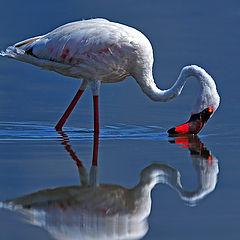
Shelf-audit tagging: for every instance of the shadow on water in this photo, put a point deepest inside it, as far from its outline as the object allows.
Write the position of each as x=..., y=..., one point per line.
x=106, y=211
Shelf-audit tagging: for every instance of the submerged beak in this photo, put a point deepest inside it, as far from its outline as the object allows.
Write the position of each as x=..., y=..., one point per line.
x=194, y=124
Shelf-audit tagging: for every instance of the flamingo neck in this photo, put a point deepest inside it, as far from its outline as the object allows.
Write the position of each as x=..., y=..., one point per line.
x=149, y=87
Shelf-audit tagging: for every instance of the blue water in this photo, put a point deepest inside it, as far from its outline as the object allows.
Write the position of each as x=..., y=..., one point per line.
x=196, y=195
x=20, y=131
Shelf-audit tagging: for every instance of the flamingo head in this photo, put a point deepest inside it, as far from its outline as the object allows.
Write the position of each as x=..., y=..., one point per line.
x=206, y=103
x=194, y=124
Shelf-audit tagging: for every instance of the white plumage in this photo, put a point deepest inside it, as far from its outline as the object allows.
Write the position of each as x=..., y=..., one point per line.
x=99, y=51
x=94, y=49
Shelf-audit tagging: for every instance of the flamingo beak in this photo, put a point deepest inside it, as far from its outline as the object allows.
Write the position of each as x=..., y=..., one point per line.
x=194, y=124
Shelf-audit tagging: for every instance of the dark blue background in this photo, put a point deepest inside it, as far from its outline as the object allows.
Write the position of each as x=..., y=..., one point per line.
x=205, y=33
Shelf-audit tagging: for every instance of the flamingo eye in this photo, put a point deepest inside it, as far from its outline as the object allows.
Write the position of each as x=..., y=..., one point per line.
x=210, y=110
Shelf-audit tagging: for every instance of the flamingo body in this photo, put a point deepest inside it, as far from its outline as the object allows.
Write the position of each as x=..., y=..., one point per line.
x=93, y=49
x=99, y=51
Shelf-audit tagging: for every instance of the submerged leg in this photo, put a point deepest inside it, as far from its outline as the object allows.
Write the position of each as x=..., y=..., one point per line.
x=68, y=111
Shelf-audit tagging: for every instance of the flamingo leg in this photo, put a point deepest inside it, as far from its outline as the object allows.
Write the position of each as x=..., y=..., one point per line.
x=96, y=114
x=93, y=177
x=68, y=111
x=94, y=171
x=95, y=149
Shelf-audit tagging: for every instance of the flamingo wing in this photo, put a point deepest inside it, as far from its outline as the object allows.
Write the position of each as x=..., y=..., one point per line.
x=75, y=42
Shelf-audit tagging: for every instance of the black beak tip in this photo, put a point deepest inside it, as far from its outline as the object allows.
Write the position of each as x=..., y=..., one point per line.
x=172, y=131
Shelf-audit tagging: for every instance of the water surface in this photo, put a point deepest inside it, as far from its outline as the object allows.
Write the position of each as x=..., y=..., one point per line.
x=197, y=180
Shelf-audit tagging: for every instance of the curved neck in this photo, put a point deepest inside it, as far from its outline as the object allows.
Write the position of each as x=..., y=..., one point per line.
x=149, y=87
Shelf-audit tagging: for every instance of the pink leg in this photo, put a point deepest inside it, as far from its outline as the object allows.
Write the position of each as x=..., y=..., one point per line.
x=95, y=149
x=96, y=131
x=65, y=116
x=96, y=114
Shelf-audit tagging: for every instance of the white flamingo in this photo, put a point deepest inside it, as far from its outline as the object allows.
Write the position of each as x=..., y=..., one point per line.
x=99, y=51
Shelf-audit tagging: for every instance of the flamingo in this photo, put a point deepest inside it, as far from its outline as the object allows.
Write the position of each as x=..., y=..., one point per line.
x=99, y=51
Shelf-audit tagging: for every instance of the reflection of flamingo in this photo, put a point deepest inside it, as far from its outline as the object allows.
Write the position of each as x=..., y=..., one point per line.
x=79, y=164
x=206, y=166
x=99, y=51
x=105, y=211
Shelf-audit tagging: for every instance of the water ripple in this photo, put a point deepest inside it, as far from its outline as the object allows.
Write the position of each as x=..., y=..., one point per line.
x=27, y=131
